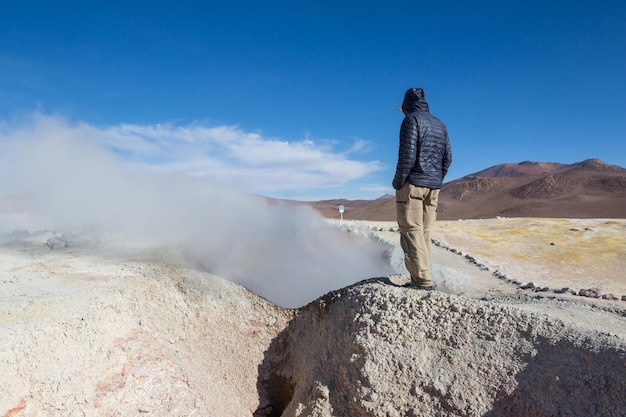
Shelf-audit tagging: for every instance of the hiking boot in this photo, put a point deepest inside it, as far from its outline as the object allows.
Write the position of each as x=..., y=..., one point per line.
x=419, y=286
x=423, y=287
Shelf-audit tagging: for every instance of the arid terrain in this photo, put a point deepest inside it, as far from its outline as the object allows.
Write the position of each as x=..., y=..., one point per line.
x=587, y=189
x=90, y=329
x=303, y=315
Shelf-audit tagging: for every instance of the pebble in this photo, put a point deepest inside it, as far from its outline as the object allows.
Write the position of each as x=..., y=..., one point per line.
x=471, y=259
x=590, y=292
x=596, y=293
x=609, y=297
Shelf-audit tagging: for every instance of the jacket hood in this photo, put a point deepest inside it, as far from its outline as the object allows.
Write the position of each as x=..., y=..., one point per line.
x=414, y=100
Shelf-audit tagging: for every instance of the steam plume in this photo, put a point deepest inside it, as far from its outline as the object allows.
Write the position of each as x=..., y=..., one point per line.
x=284, y=252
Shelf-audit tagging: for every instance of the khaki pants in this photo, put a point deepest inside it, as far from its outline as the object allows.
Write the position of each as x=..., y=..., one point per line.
x=417, y=211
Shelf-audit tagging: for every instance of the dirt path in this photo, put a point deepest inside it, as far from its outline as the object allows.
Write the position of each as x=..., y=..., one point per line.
x=575, y=253
x=454, y=273
x=554, y=253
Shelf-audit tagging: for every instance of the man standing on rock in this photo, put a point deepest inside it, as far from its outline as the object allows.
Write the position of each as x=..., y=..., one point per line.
x=424, y=157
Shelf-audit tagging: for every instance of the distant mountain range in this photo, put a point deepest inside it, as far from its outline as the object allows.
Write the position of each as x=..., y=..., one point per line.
x=587, y=189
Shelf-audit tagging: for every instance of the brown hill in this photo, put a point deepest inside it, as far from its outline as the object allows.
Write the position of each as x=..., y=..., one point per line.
x=523, y=168
x=379, y=209
x=587, y=189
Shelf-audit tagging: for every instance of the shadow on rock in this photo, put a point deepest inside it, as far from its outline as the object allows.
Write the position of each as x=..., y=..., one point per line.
x=299, y=357
x=567, y=378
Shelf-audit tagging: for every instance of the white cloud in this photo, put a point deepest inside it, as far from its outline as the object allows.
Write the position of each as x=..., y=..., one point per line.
x=227, y=153
x=359, y=145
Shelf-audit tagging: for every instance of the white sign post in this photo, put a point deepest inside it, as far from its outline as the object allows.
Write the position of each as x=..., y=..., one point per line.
x=341, y=210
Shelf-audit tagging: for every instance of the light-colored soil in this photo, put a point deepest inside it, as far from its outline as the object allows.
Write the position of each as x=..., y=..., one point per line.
x=112, y=329
x=575, y=253
x=107, y=332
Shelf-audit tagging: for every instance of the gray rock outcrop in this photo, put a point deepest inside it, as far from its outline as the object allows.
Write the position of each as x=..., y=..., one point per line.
x=376, y=349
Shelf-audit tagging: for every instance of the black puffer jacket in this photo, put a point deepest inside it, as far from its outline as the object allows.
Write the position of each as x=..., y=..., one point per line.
x=424, y=155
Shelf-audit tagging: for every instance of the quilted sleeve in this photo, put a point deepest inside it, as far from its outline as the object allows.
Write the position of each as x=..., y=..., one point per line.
x=407, y=152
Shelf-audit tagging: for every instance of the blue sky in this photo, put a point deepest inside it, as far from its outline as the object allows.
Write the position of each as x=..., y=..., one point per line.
x=296, y=99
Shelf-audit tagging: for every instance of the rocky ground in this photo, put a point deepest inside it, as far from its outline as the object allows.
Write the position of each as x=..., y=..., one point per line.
x=91, y=330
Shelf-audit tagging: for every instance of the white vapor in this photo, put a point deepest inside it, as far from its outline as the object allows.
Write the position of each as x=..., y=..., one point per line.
x=174, y=185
